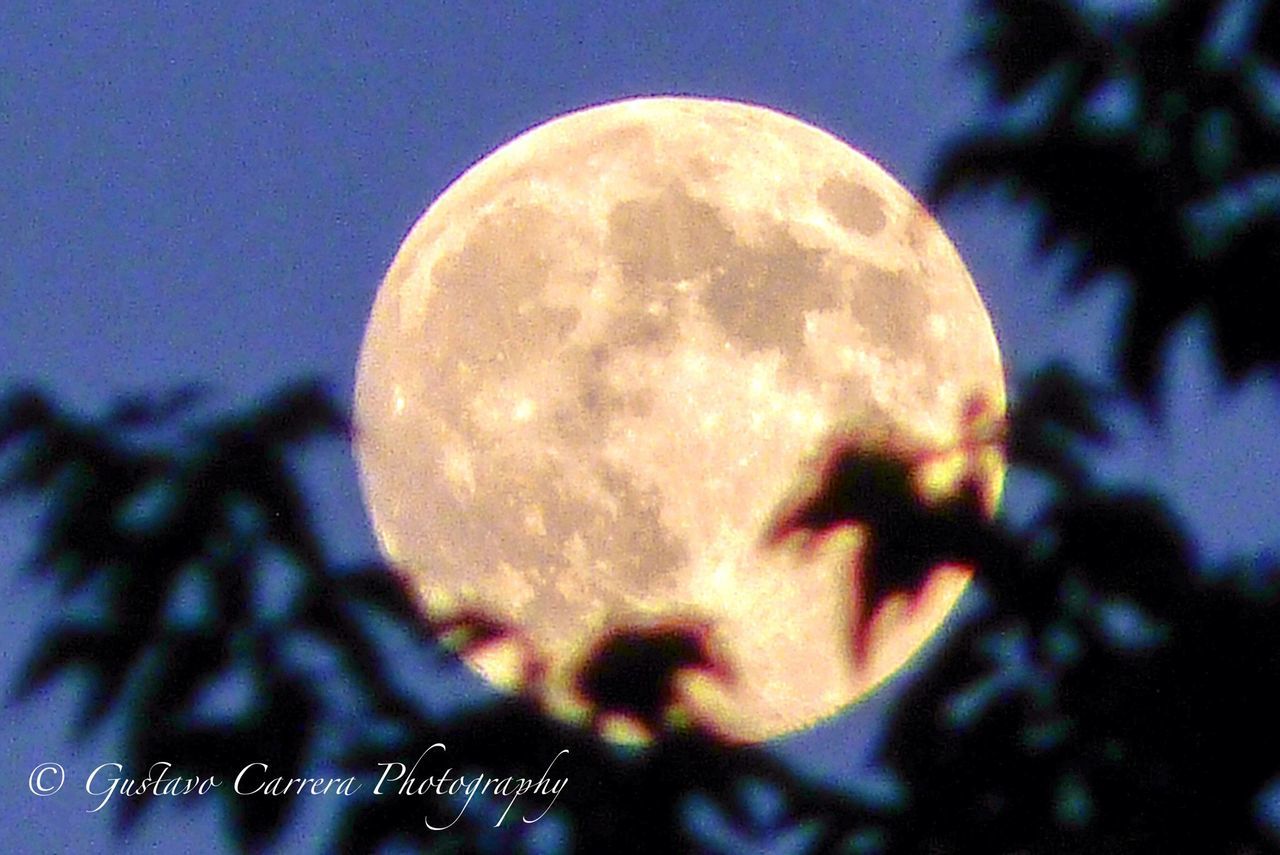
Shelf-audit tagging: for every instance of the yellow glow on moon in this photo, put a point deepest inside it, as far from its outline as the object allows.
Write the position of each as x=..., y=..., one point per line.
x=610, y=354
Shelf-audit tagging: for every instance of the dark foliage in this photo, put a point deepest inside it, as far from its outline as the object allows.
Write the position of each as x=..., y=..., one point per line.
x=1148, y=144
x=1112, y=694
x=171, y=544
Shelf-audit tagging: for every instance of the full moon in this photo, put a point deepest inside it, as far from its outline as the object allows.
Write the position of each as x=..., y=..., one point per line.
x=616, y=350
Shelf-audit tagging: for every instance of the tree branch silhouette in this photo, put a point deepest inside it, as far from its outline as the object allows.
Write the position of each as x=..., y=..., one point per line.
x=1150, y=153
x=174, y=543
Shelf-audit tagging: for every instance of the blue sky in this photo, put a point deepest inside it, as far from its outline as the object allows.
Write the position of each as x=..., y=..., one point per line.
x=212, y=192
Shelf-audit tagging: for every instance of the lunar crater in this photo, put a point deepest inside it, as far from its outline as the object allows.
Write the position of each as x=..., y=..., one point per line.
x=761, y=292
x=892, y=309
x=665, y=239
x=854, y=205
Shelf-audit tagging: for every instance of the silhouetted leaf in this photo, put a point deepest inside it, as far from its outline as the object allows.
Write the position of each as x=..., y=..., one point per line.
x=68, y=645
x=1125, y=544
x=142, y=411
x=906, y=537
x=24, y=411
x=632, y=671
x=376, y=586
x=1051, y=421
x=1022, y=41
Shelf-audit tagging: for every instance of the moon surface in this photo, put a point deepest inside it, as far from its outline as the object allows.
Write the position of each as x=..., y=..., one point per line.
x=615, y=350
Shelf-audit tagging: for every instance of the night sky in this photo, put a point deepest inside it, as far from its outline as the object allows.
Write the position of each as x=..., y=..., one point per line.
x=212, y=192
